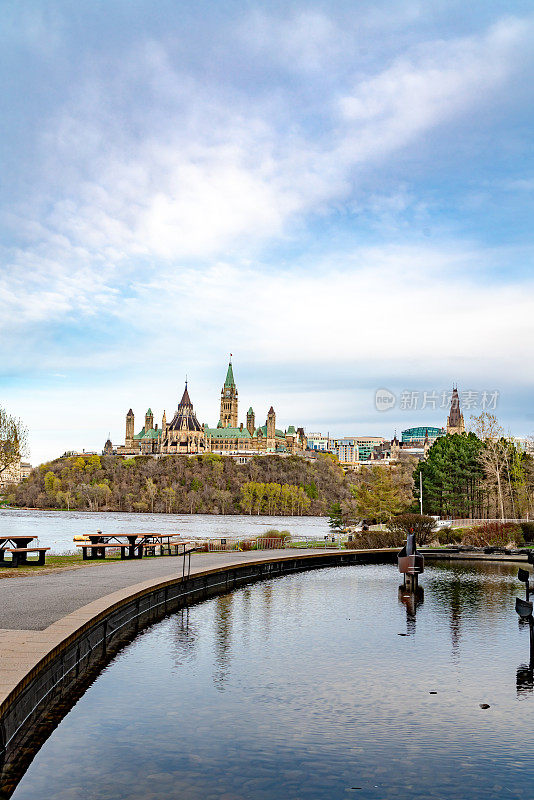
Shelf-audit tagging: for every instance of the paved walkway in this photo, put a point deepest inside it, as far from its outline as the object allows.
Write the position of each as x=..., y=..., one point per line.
x=34, y=602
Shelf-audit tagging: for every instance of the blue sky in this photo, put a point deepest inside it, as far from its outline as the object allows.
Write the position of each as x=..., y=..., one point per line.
x=340, y=194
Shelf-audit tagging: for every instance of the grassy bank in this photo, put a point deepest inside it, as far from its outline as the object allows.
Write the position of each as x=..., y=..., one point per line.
x=54, y=563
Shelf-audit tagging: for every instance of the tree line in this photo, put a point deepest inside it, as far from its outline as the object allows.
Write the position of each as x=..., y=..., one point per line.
x=483, y=474
x=478, y=475
x=209, y=484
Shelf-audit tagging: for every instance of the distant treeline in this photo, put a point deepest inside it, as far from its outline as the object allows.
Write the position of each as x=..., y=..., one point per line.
x=206, y=484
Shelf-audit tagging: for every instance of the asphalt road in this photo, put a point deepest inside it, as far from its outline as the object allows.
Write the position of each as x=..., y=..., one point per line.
x=34, y=602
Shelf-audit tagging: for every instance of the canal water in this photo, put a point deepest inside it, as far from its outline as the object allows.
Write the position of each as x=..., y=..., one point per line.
x=56, y=529
x=315, y=686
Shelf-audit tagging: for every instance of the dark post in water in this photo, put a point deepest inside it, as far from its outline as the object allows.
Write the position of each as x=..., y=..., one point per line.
x=411, y=564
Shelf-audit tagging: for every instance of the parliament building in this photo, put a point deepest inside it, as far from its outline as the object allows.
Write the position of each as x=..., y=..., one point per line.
x=184, y=435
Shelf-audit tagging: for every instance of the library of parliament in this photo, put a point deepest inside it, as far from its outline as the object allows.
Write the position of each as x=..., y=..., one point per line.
x=185, y=435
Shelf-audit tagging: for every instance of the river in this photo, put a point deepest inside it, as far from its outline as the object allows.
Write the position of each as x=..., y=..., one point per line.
x=56, y=529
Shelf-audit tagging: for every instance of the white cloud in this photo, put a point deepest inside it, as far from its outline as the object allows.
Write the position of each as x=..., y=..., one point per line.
x=303, y=40
x=429, y=86
x=365, y=307
x=207, y=173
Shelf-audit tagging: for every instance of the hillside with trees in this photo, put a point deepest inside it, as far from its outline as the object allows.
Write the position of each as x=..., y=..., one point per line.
x=478, y=475
x=206, y=484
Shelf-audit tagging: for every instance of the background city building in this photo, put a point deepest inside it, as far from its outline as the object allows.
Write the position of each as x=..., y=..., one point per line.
x=14, y=474
x=317, y=441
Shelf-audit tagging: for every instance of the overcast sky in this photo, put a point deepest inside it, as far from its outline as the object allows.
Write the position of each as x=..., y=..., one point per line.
x=338, y=193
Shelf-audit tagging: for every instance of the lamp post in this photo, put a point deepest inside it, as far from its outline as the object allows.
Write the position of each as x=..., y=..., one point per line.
x=421, y=490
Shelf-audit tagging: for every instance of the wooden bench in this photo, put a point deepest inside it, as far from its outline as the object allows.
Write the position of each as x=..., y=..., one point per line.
x=19, y=556
x=166, y=548
x=100, y=549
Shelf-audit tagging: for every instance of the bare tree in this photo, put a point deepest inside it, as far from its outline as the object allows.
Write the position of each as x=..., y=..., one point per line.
x=494, y=455
x=13, y=441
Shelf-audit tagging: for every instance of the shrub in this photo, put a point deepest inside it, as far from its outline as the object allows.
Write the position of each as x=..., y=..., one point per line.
x=369, y=540
x=494, y=534
x=527, y=529
x=450, y=536
x=247, y=544
x=274, y=534
x=422, y=525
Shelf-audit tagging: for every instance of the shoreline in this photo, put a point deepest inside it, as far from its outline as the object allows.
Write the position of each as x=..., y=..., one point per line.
x=163, y=513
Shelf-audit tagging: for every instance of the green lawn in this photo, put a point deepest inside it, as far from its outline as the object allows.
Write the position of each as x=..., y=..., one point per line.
x=53, y=562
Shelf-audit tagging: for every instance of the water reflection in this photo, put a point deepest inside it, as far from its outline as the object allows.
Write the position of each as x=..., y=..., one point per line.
x=524, y=679
x=223, y=639
x=525, y=672
x=301, y=689
x=185, y=638
x=461, y=590
x=411, y=601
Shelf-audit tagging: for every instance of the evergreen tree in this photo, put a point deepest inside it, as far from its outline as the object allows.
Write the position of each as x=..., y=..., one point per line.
x=335, y=517
x=452, y=477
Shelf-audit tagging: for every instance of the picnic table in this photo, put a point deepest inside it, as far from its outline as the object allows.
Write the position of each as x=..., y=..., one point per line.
x=19, y=548
x=131, y=545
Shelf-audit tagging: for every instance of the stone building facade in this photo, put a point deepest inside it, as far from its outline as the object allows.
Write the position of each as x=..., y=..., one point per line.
x=185, y=435
x=16, y=473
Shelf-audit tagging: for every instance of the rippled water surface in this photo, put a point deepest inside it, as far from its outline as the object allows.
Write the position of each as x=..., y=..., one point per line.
x=55, y=529
x=302, y=687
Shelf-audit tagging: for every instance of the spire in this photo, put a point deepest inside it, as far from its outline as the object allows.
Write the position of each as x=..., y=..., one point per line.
x=185, y=402
x=229, y=382
x=455, y=420
x=454, y=417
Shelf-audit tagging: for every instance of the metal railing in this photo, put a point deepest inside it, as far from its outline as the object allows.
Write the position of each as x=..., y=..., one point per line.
x=468, y=523
x=228, y=544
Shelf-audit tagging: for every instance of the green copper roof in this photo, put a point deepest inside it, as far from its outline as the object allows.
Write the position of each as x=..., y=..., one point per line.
x=227, y=433
x=291, y=430
x=229, y=382
x=250, y=411
x=151, y=434
x=149, y=413
x=277, y=432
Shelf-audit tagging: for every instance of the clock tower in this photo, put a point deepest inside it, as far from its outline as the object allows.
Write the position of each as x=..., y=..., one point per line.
x=228, y=417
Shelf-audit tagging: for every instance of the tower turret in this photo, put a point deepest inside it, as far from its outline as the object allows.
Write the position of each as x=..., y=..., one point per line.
x=149, y=420
x=455, y=420
x=271, y=427
x=128, y=441
x=251, y=421
x=229, y=410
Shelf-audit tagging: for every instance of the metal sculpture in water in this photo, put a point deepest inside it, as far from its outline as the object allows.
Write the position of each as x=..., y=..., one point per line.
x=524, y=608
x=411, y=564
